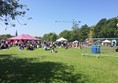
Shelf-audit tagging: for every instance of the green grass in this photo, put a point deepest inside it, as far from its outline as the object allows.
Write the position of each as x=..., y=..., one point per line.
x=66, y=66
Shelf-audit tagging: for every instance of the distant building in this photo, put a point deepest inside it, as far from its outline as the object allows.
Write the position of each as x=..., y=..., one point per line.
x=16, y=34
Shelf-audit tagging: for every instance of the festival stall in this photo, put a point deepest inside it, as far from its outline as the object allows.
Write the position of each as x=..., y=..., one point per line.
x=61, y=39
x=22, y=38
x=106, y=42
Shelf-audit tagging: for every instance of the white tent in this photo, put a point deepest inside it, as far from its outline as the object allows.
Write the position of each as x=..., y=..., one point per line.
x=61, y=39
x=75, y=41
x=106, y=41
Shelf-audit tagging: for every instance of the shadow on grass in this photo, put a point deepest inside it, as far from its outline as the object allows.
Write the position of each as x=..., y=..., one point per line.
x=15, y=70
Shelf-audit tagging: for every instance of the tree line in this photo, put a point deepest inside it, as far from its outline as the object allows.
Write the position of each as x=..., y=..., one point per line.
x=5, y=36
x=105, y=28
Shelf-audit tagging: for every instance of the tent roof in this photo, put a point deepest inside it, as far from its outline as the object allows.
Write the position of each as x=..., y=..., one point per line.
x=106, y=41
x=75, y=41
x=61, y=39
x=23, y=37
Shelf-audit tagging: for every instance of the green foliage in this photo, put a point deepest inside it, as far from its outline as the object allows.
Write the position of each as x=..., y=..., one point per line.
x=91, y=33
x=5, y=36
x=66, y=34
x=103, y=29
x=84, y=31
x=74, y=35
x=50, y=37
x=98, y=27
x=106, y=28
x=10, y=9
x=45, y=37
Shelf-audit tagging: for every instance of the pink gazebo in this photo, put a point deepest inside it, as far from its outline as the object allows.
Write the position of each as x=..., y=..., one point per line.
x=23, y=37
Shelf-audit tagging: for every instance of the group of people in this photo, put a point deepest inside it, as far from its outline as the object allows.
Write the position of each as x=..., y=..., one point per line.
x=4, y=44
x=32, y=45
x=52, y=46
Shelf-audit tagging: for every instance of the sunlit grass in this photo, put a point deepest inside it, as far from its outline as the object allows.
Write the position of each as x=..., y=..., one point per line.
x=65, y=66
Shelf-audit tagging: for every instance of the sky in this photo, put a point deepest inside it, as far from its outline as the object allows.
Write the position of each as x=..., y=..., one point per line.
x=44, y=13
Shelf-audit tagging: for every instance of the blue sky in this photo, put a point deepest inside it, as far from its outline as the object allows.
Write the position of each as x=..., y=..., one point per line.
x=46, y=12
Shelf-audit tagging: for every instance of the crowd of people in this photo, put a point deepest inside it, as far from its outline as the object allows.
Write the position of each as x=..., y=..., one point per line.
x=32, y=45
x=4, y=44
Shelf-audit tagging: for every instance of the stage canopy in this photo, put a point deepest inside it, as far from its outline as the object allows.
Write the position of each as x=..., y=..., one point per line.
x=23, y=37
x=61, y=39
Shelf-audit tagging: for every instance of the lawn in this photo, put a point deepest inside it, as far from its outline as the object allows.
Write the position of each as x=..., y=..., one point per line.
x=66, y=66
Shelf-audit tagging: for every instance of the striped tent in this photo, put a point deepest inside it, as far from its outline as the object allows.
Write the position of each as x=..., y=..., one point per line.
x=23, y=37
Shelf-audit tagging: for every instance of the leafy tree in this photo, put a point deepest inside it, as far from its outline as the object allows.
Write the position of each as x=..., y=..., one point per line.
x=91, y=34
x=50, y=37
x=109, y=29
x=10, y=10
x=98, y=27
x=66, y=34
x=5, y=36
x=40, y=37
x=84, y=31
x=46, y=37
x=74, y=35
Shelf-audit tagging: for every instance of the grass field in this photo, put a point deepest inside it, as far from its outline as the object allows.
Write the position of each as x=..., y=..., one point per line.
x=66, y=66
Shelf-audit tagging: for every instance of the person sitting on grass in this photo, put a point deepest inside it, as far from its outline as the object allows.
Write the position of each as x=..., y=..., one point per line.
x=52, y=46
x=21, y=47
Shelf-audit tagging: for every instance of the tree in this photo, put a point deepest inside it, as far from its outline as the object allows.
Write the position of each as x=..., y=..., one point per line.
x=5, y=36
x=109, y=29
x=91, y=34
x=50, y=37
x=84, y=31
x=98, y=27
x=66, y=34
x=45, y=37
x=10, y=10
x=74, y=35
